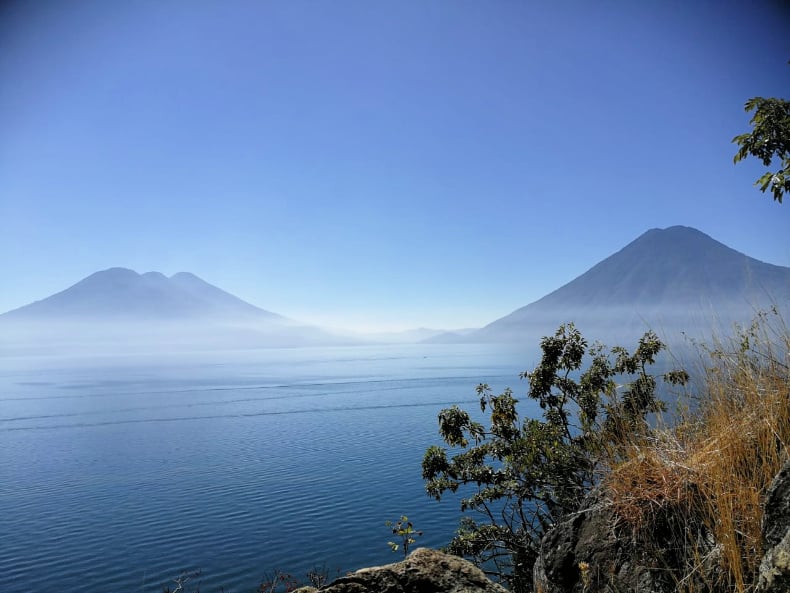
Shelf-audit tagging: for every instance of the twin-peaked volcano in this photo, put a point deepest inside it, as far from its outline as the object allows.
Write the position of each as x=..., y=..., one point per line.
x=124, y=295
x=119, y=310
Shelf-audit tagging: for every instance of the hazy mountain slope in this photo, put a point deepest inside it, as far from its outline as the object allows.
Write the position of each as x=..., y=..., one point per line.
x=674, y=265
x=119, y=293
x=675, y=279
x=121, y=310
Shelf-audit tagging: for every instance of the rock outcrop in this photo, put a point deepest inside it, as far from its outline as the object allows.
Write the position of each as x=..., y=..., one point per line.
x=423, y=571
x=774, y=576
x=588, y=553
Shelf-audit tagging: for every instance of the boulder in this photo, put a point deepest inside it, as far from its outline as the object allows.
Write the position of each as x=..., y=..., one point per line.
x=423, y=571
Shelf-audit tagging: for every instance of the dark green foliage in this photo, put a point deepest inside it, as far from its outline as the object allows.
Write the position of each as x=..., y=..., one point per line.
x=769, y=138
x=527, y=474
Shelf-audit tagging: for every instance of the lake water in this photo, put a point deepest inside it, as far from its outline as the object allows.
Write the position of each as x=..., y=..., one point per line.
x=117, y=474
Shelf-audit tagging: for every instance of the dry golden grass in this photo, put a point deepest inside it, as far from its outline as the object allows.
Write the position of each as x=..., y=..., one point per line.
x=703, y=479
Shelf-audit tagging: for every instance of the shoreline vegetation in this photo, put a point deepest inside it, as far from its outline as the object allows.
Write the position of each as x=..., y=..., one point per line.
x=679, y=499
x=674, y=504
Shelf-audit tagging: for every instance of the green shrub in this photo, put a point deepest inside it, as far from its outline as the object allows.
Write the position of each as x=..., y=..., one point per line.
x=526, y=475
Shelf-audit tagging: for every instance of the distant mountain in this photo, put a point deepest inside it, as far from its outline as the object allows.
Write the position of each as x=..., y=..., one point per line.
x=450, y=337
x=672, y=280
x=124, y=295
x=423, y=335
x=119, y=309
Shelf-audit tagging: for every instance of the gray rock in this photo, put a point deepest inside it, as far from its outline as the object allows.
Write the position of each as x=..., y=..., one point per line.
x=424, y=571
x=774, y=575
x=776, y=513
x=592, y=551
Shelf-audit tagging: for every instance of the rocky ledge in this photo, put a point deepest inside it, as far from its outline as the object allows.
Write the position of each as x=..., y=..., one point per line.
x=424, y=571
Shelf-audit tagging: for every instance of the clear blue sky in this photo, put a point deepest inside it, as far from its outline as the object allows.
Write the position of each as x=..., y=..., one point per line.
x=376, y=164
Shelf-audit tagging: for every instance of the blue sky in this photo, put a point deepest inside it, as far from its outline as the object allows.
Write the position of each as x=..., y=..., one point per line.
x=376, y=164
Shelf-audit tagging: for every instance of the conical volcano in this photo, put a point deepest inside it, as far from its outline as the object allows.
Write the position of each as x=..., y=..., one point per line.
x=672, y=280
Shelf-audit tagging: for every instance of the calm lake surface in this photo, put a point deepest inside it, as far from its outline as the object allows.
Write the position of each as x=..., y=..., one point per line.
x=118, y=473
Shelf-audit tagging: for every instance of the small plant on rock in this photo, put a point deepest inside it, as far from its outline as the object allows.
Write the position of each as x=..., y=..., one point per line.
x=405, y=531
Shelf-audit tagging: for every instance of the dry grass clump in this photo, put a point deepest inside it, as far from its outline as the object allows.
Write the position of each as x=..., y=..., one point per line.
x=700, y=483
x=654, y=479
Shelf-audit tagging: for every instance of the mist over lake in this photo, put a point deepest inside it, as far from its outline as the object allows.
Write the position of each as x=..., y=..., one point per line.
x=116, y=473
